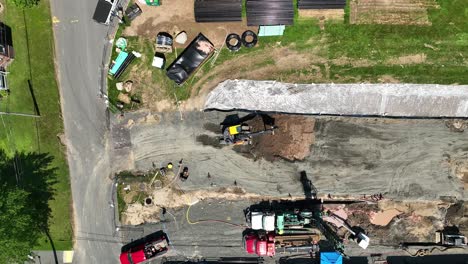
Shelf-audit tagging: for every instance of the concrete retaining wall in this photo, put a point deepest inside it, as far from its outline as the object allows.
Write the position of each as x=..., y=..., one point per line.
x=396, y=100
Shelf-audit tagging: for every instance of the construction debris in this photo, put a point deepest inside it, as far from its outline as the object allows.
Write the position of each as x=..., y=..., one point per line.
x=181, y=38
x=124, y=98
x=119, y=86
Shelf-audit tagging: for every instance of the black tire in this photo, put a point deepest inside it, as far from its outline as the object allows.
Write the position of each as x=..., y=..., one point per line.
x=252, y=43
x=236, y=46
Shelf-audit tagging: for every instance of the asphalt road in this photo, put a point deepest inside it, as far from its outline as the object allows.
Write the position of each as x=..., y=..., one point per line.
x=79, y=43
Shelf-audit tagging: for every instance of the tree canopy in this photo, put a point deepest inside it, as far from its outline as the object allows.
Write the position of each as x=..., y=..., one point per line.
x=26, y=182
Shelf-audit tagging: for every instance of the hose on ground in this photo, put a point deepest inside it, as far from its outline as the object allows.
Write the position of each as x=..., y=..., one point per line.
x=425, y=251
x=209, y=220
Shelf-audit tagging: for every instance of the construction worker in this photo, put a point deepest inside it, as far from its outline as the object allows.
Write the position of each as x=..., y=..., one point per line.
x=169, y=165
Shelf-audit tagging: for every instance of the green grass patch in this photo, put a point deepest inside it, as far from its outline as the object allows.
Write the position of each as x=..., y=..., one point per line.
x=381, y=42
x=407, y=74
x=26, y=134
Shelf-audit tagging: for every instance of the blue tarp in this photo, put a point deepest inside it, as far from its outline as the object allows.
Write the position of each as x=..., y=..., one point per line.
x=118, y=62
x=330, y=258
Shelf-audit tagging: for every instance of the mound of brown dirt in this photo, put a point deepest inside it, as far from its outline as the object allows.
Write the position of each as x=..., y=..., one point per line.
x=291, y=141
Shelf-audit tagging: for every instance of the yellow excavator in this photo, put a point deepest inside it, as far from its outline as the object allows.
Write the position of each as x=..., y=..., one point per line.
x=242, y=134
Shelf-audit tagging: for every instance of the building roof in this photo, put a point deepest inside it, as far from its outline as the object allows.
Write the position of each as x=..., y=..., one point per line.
x=6, y=41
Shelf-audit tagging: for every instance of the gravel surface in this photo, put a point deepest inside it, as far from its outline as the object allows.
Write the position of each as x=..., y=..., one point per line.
x=402, y=159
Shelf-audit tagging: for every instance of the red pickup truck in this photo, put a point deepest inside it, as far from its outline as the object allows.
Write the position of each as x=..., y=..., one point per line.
x=143, y=249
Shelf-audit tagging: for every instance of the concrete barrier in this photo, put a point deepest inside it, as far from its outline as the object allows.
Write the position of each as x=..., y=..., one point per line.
x=392, y=100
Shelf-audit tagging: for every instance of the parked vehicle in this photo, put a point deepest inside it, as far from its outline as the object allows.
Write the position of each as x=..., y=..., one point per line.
x=260, y=243
x=262, y=221
x=267, y=243
x=146, y=248
x=104, y=11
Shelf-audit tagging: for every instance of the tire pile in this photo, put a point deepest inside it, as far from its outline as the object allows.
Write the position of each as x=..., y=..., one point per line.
x=239, y=41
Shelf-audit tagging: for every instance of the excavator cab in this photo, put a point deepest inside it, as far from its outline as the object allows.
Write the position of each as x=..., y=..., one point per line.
x=236, y=135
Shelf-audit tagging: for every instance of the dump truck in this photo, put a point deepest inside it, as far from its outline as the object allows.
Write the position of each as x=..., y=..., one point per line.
x=264, y=243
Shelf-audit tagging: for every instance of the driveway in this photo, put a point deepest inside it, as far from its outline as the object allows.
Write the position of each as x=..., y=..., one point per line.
x=79, y=45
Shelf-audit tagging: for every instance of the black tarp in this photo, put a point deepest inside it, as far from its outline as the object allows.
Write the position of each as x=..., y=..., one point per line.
x=102, y=11
x=218, y=10
x=190, y=59
x=321, y=4
x=269, y=12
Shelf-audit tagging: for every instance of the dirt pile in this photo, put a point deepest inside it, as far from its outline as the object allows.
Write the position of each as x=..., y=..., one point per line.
x=291, y=140
x=393, y=222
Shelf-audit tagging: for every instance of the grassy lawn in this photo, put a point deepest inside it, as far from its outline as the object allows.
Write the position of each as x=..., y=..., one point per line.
x=25, y=134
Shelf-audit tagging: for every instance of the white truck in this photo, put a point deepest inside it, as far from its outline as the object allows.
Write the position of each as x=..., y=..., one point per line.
x=262, y=221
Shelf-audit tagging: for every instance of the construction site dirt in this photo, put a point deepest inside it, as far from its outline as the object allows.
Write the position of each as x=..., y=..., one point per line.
x=408, y=175
x=402, y=159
